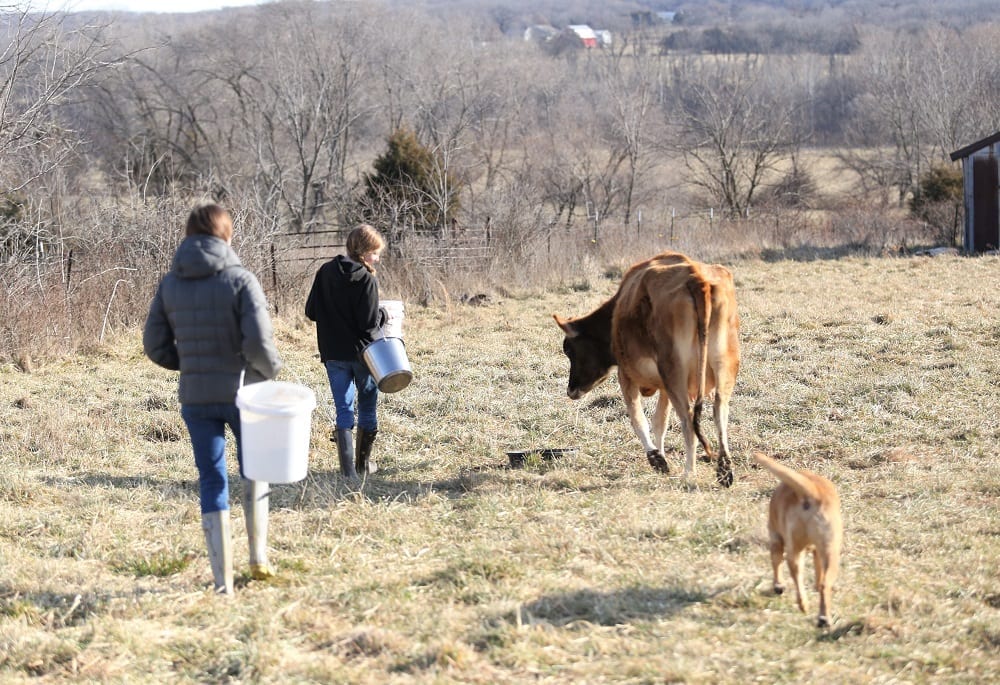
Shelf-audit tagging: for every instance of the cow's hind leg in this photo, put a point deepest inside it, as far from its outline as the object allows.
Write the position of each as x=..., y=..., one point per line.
x=724, y=464
x=701, y=437
x=661, y=418
x=676, y=390
x=640, y=425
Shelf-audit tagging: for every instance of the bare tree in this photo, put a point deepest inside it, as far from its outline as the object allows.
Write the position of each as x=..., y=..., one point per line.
x=732, y=128
x=158, y=113
x=570, y=163
x=925, y=94
x=297, y=93
x=630, y=77
x=42, y=62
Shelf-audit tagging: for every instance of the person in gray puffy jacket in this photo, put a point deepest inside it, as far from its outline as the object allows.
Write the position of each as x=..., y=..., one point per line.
x=209, y=320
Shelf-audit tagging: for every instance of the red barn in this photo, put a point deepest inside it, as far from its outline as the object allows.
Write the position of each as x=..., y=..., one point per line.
x=585, y=34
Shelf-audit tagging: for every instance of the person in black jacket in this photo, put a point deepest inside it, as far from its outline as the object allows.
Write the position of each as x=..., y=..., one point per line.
x=344, y=303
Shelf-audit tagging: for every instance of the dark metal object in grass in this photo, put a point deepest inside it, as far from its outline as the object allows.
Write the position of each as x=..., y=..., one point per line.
x=521, y=458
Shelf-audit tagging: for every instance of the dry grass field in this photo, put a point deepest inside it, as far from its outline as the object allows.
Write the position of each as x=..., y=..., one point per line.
x=448, y=567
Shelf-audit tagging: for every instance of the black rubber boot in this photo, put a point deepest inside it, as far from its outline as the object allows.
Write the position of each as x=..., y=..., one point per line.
x=365, y=464
x=345, y=449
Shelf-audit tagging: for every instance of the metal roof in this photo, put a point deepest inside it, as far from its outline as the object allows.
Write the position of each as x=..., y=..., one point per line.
x=974, y=147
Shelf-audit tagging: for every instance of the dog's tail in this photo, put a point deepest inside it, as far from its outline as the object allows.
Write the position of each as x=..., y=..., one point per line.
x=790, y=477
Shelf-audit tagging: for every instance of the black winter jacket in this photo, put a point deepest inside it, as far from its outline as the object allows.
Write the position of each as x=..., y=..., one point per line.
x=209, y=320
x=343, y=302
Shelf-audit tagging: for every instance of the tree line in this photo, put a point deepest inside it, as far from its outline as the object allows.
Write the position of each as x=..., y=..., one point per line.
x=304, y=116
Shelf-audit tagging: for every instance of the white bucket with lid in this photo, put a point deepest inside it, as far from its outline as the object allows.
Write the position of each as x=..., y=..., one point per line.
x=394, y=310
x=275, y=424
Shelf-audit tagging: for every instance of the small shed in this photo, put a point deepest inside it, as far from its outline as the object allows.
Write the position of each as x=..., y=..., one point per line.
x=981, y=190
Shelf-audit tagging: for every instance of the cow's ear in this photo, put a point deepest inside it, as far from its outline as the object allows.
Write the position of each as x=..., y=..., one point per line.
x=568, y=328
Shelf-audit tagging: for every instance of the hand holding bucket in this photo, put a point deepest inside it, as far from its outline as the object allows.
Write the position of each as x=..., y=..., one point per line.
x=394, y=313
x=386, y=356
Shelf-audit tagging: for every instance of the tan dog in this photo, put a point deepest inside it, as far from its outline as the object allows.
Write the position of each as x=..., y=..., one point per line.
x=804, y=514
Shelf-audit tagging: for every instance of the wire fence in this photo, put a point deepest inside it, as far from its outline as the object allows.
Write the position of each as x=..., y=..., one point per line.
x=470, y=248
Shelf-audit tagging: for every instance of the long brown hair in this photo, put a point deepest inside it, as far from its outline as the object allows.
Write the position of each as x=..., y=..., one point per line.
x=210, y=219
x=362, y=240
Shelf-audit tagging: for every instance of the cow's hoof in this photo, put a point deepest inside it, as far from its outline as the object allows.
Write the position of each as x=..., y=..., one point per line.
x=779, y=589
x=724, y=472
x=725, y=478
x=657, y=461
x=823, y=622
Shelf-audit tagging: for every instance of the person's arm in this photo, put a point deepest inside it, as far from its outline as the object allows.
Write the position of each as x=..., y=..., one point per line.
x=312, y=302
x=367, y=312
x=158, y=340
x=258, y=346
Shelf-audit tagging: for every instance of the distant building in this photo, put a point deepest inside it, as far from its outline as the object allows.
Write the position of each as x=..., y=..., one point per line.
x=585, y=34
x=981, y=183
x=603, y=37
x=540, y=33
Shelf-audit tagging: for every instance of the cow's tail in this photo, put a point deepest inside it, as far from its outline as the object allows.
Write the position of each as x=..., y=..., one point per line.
x=701, y=294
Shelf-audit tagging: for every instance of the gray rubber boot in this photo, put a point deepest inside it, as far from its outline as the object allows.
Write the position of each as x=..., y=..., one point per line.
x=364, y=464
x=220, y=549
x=345, y=449
x=256, y=501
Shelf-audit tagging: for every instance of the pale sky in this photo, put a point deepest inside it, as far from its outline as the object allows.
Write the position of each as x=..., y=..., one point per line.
x=147, y=5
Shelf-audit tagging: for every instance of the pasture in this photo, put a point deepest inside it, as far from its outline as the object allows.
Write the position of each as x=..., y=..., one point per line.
x=879, y=373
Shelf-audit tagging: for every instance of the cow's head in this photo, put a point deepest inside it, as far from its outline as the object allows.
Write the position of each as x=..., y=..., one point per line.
x=590, y=357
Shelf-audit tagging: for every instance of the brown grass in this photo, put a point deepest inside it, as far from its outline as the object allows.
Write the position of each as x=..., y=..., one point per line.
x=449, y=567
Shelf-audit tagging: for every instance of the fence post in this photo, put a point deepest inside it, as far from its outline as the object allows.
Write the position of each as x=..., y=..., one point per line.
x=69, y=269
x=274, y=276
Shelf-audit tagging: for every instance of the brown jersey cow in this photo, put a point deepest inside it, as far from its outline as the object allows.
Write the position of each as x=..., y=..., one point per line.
x=671, y=328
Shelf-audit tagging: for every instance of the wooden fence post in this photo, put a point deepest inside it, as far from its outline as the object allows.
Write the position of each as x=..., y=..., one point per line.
x=274, y=276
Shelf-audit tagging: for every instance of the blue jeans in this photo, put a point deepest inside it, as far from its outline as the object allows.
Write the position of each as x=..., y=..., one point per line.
x=207, y=425
x=350, y=381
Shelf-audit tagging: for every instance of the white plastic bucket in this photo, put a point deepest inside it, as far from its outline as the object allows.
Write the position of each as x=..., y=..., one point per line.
x=275, y=423
x=394, y=310
x=386, y=359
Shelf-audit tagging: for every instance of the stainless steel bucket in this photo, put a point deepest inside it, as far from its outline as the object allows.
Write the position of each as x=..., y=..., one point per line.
x=386, y=359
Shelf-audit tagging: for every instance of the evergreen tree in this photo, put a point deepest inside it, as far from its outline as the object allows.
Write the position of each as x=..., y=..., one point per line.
x=409, y=188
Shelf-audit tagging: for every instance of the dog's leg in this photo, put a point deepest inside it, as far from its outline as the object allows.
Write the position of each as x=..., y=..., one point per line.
x=795, y=570
x=825, y=573
x=777, y=558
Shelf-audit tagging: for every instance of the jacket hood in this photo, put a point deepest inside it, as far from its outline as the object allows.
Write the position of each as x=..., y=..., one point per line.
x=350, y=270
x=201, y=256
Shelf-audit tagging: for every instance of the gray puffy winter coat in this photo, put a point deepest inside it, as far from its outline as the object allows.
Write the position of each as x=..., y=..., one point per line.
x=209, y=320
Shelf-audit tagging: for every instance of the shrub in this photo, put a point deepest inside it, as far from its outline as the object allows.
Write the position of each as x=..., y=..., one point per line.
x=410, y=188
x=938, y=202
